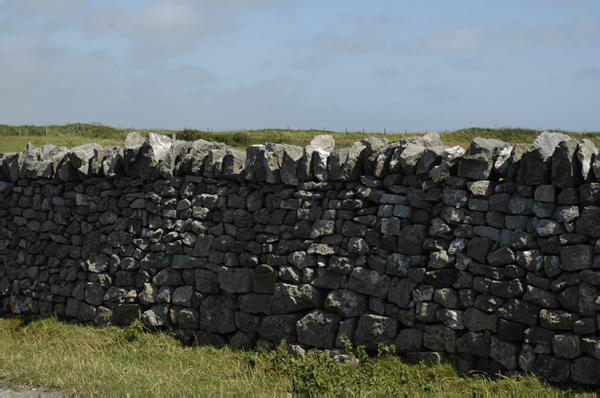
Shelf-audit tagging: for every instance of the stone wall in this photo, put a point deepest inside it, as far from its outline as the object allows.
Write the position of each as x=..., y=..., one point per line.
x=487, y=257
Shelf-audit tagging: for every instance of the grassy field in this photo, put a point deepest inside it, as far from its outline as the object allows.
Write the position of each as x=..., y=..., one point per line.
x=52, y=355
x=14, y=138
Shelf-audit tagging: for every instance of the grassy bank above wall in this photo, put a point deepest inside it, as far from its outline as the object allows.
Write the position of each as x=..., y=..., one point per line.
x=82, y=359
x=14, y=138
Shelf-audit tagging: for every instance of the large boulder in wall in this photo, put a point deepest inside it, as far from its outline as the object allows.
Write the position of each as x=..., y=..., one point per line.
x=478, y=160
x=305, y=168
x=536, y=162
x=566, y=167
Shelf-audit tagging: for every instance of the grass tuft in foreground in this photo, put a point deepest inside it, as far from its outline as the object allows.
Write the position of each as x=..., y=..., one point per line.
x=84, y=359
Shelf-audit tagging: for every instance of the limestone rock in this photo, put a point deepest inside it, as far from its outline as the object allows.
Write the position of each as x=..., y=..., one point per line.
x=566, y=167
x=478, y=161
x=347, y=303
x=375, y=329
x=586, y=153
x=80, y=158
x=537, y=160
x=318, y=328
x=451, y=157
x=279, y=327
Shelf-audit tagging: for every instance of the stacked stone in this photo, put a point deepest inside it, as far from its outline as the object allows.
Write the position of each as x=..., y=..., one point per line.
x=485, y=257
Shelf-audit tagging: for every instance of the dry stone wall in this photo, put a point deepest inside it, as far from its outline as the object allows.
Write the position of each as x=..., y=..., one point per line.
x=488, y=258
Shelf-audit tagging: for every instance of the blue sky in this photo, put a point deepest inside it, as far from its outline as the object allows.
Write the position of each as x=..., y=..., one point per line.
x=231, y=64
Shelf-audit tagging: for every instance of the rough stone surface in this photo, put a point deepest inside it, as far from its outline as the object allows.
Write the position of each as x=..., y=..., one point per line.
x=375, y=329
x=318, y=329
x=488, y=258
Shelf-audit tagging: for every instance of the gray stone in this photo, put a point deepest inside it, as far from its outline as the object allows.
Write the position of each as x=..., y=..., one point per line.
x=369, y=282
x=432, y=156
x=346, y=303
x=398, y=265
x=347, y=328
x=552, y=369
x=549, y=227
x=474, y=344
x=203, y=245
x=148, y=294
x=236, y=280
x=451, y=318
x=566, y=168
x=104, y=316
x=157, y=316
x=540, y=297
x=526, y=358
x=97, y=263
x=409, y=340
x=478, y=160
x=291, y=298
x=536, y=161
x=586, y=154
x=401, y=291
x=353, y=165
x=322, y=228
x=217, y=315
x=94, y=293
x=519, y=311
x=183, y=296
x=531, y=260
x=126, y=314
x=589, y=222
x=447, y=298
x=375, y=329
x=410, y=240
x=586, y=370
x=478, y=248
x=86, y=313
x=557, y=319
x=500, y=257
x=426, y=312
x=587, y=300
x=545, y=193
x=565, y=214
x=504, y=352
x=440, y=259
x=279, y=327
x=233, y=166
x=243, y=341
x=80, y=158
x=455, y=198
x=450, y=158
x=481, y=188
x=576, y=257
x=566, y=346
x=318, y=328
x=72, y=307
x=254, y=303
x=476, y=320
x=439, y=338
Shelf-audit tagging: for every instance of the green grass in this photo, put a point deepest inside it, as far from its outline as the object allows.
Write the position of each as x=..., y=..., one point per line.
x=14, y=138
x=53, y=355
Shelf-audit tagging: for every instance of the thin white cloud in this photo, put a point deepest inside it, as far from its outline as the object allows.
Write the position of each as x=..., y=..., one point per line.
x=245, y=5
x=360, y=40
x=33, y=7
x=458, y=41
x=523, y=36
x=583, y=30
x=161, y=29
